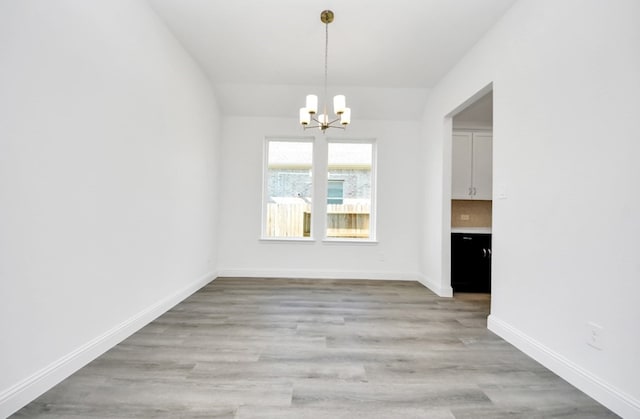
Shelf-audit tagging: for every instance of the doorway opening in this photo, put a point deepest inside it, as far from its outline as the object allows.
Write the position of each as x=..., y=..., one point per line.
x=471, y=208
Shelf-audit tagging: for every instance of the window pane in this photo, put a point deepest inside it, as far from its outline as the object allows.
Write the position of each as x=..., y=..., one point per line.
x=349, y=190
x=288, y=183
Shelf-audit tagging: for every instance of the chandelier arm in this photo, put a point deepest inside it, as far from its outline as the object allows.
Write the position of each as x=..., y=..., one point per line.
x=314, y=119
x=306, y=127
x=323, y=126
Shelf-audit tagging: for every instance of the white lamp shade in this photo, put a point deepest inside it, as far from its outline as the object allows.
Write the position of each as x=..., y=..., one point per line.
x=305, y=117
x=345, y=118
x=312, y=104
x=339, y=104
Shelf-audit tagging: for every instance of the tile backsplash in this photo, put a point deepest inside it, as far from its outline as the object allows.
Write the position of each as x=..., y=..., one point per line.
x=466, y=213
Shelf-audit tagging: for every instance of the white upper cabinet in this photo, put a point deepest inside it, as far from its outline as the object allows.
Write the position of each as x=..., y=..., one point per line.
x=461, y=154
x=472, y=165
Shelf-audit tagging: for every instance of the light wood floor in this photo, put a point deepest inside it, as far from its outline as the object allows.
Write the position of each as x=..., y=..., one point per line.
x=275, y=348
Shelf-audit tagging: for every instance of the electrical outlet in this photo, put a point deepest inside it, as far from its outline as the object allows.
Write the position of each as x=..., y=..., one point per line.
x=464, y=217
x=595, y=335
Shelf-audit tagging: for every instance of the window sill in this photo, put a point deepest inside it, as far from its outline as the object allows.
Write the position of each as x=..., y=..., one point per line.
x=364, y=242
x=329, y=241
x=287, y=239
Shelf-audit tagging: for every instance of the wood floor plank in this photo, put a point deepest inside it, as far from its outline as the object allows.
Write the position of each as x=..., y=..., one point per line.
x=300, y=348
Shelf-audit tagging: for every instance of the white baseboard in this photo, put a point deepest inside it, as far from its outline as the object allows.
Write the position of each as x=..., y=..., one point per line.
x=614, y=399
x=20, y=394
x=437, y=289
x=316, y=274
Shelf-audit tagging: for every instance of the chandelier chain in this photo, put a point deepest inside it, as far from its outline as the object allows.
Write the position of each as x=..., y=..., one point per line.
x=326, y=58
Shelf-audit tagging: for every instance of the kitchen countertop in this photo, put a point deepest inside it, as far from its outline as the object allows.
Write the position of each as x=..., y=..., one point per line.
x=471, y=230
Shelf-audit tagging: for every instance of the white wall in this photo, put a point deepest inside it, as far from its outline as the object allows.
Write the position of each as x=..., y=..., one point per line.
x=395, y=255
x=108, y=165
x=566, y=141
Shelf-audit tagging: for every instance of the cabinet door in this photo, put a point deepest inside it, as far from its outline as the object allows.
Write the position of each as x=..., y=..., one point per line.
x=471, y=262
x=483, y=252
x=461, y=165
x=482, y=173
x=462, y=262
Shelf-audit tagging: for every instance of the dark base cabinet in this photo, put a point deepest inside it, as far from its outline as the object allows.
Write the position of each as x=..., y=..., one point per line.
x=471, y=262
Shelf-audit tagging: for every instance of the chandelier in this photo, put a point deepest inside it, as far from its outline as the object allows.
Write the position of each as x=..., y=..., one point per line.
x=309, y=114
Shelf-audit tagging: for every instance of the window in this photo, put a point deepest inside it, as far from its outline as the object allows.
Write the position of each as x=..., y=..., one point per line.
x=350, y=190
x=346, y=213
x=288, y=188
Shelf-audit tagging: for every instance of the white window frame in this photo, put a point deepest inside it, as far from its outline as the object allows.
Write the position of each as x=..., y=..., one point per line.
x=265, y=186
x=373, y=210
x=319, y=189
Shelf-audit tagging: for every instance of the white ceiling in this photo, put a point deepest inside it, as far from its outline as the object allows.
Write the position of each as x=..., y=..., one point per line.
x=263, y=56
